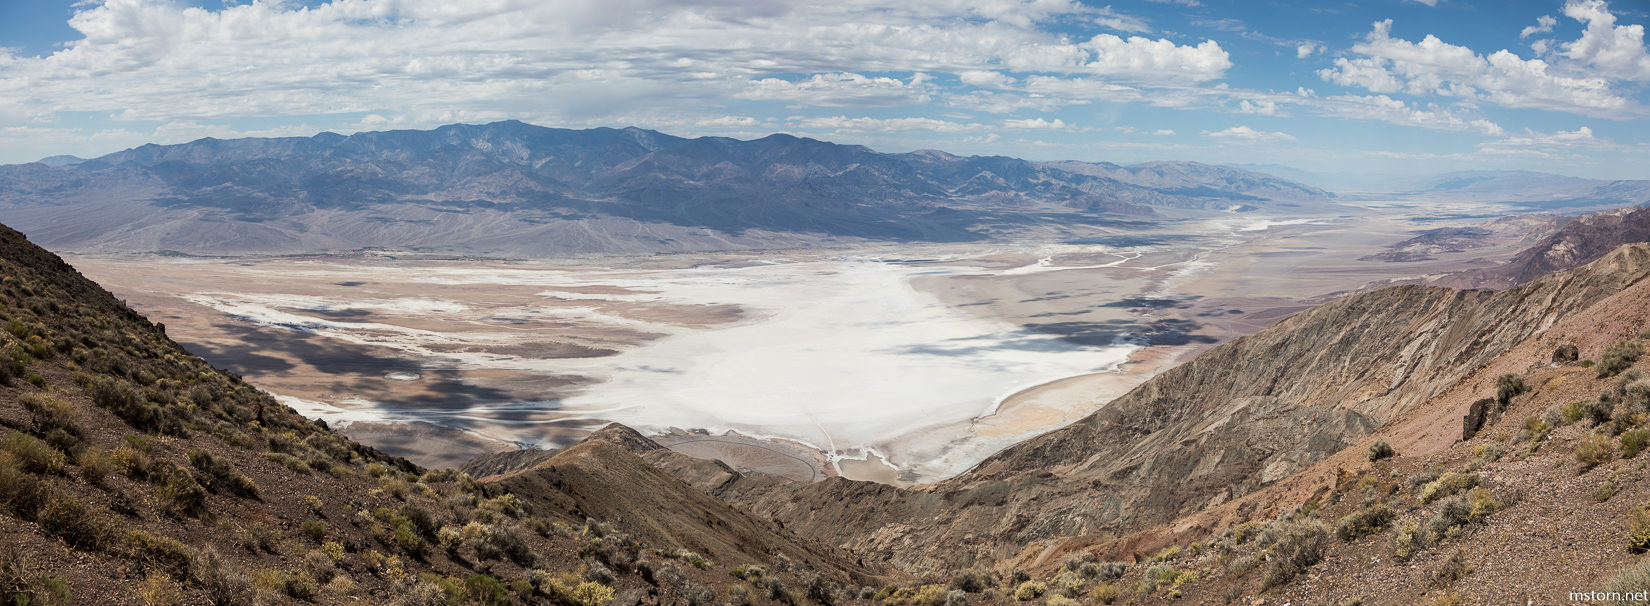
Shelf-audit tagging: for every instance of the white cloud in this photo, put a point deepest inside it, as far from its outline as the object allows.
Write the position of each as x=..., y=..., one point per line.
x=1262, y=107
x=1307, y=49
x=1607, y=48
x=1163, y=132
x=1244, y=133
x=880, y=125
x=1543, y=24
x=1545, y=145
x=1037, y=123
x=569, y=62
x=1434, y=67
x=1432, y=3
x=838, y=89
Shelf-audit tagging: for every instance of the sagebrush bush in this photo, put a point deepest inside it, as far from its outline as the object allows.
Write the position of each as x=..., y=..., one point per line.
x=221, y=475
x=177, y=488
x=1380, y=450
x=1366, y=521
x=1300, y=547
x=1030, y=590
x=1447, y=485
x=161, y=553
x=224, y=584
x=77, y=524
x=1619, y=356
x=1507, y=387
x=1409, y=541
x=1633, y=442
x=50, y=414
x=1594, y=450
x=33, y=455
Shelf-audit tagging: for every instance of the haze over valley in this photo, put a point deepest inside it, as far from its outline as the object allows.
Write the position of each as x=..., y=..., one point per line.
x=893, y=355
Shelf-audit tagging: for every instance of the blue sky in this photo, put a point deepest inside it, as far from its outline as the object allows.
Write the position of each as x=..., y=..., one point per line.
x=1378, y=87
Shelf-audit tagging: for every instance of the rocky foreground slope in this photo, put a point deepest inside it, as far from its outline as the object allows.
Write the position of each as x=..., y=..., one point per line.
x=131, y=472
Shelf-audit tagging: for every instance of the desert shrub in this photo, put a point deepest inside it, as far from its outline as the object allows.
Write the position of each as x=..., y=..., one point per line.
x=776, y=590
x=50, y=414
x=128, y=402
x=486, y=590
x=1104, y=593
x=1633, y=442
x=1420, y=480
x=1634, y=578
x=1638, y=529
x=21, y=492
x=66, y=517
x=1111, y=570
x=1057, y=600
x=177, y=488
x=1604, y=491
x=1167, y=554
x=1594, y=450
x=319, y=565
x=506, y=541
x=1597, y=411
x=1409, y=540
x=1366, y=521
x=224, y=585
x=969, y=581
x=33, y=455
x=157, y=590
x=95, y=465
x=1449, y=514
x=1452, y=569
x=221, y=475
x=1301, y=545
x=314, y=504
x=1447, y=485
x=1619, y=356
x=1507, y=387
x=131, y=462
x=162, y=553
x=1380, y=450
x=316, y=530
x=290, y=462
x=1030, y=590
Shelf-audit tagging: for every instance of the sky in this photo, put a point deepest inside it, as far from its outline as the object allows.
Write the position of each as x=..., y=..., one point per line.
x=1381, y=87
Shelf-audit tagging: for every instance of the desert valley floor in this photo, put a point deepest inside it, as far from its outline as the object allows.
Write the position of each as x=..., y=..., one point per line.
x=899, y=364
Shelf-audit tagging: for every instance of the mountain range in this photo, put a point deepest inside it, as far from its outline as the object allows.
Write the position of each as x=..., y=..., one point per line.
x=510, y=188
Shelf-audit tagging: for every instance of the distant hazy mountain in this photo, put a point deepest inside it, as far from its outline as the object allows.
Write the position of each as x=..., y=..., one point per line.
x=1535, y=191
x=517, y=189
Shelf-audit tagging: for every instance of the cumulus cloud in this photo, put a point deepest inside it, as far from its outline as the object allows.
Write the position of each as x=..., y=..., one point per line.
x=1606, y=47
x=416, y=62
x=1543, y=24
x=1433, y=67
x=1244, y=133
x=1307, y=49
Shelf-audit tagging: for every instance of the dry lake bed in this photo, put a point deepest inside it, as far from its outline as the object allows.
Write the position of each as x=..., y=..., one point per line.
x=899, y=364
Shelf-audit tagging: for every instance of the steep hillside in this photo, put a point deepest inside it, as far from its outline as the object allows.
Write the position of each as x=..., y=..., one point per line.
x=514, y=189
x=131, y=472
x=1577, y=242
x=1546, y=498
x=1240, y=417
